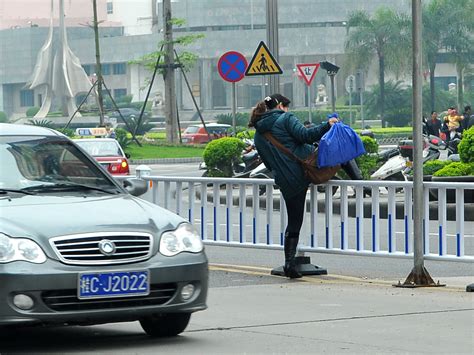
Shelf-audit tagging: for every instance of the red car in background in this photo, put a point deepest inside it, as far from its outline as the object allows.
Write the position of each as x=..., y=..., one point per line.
x=108, y=152
x=196, y=134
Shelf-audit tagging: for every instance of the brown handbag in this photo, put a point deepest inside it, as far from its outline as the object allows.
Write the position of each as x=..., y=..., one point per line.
x=310, y=164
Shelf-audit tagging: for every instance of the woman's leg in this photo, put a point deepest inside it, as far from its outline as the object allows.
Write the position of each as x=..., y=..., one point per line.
x=295, y=207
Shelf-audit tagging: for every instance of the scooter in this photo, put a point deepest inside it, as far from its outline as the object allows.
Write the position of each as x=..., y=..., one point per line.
x=397, y=167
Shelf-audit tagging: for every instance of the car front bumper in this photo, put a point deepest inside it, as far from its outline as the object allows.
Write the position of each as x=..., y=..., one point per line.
x=53, y=288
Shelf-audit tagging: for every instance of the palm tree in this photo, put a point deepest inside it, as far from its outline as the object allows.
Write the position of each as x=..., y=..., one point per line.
x=458, y=39
x=435, y=22
x=387, y=35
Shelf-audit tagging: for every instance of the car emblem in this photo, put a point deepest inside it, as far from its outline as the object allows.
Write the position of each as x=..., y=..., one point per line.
x=107, y=247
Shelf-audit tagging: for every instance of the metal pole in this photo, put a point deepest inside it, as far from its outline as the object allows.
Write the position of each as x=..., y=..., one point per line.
x=333, y=95
x=234, y=104
x=309, y=104
x=272, y=39
x=362, y=108
x=350, y=106
x=98, y=68
x=419, y=276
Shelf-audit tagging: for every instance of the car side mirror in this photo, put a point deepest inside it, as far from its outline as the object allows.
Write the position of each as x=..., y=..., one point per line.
x=127, y=155
x=135, y=187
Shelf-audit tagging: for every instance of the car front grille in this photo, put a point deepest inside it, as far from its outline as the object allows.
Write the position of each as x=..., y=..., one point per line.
x=88, y=249
x=66, y=300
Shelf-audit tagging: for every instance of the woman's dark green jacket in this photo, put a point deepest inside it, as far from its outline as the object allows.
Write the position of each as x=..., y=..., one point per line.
x=288, y=130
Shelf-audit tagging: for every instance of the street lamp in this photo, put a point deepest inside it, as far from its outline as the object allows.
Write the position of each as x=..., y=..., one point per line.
x=332, y=70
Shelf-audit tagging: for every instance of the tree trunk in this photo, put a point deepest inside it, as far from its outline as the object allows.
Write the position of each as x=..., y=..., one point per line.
x=170, y=90
x=459, y=68
x=432, y=86
x=382, y=87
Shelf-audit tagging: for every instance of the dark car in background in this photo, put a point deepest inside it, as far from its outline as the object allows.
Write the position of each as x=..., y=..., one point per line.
x=128, y=112
x=78, y=247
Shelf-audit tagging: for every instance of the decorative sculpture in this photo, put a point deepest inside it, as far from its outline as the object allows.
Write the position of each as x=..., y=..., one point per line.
x=60, y=74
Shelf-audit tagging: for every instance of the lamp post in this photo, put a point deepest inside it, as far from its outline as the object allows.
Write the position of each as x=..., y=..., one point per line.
x=332, y=70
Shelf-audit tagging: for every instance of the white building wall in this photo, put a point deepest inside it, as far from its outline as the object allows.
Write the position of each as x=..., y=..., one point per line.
x=134, y=15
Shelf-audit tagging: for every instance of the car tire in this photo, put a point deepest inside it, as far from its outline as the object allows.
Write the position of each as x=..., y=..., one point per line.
x=166, y=324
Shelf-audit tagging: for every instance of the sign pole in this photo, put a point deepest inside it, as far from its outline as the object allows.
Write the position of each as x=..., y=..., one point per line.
x=234, y=104
x=350, y=107
x=309, y=103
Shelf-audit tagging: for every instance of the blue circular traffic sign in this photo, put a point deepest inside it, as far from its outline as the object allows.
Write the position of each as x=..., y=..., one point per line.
x=232, y=66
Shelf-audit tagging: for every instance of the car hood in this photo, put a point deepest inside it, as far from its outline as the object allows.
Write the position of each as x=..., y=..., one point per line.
x=41, y=217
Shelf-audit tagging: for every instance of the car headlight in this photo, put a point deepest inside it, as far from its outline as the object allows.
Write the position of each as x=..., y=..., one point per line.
x=182, y=239
x=15, y=249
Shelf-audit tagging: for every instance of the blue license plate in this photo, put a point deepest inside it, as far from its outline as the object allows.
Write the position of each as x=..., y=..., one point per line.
x=113, y=284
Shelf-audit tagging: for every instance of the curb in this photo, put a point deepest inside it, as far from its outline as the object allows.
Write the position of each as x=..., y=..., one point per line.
x=166, y=161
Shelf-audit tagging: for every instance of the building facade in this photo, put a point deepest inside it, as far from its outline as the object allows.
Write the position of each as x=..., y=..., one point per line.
x=309, y=31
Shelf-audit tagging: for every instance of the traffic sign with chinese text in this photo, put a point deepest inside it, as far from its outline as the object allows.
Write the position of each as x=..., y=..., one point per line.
x=308, y=71
x=232, y=66
x=263, y=62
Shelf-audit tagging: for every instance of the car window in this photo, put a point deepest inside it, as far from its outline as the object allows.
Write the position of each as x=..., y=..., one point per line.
x=100, y=148
x=191, y=129
x=31, y=160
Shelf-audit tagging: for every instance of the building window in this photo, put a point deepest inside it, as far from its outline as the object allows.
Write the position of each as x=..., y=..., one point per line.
x=105, y=69
x=119, y=69
x=27, y=98
x=110, y=7
x=118, y=93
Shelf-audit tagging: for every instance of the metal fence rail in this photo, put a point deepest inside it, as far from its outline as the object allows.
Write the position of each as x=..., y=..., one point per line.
x=231, y=212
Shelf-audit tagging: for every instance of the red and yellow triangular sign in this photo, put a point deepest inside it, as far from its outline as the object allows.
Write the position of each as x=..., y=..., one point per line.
x=263, y=62
x=308, y=71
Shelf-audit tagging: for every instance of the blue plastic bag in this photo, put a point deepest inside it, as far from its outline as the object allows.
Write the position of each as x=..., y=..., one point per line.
x=339, y=145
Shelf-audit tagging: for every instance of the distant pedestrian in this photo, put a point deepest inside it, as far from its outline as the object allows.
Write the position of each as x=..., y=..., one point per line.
x=110, y=133
x=468, y=118
x=271, y=115
x=433, y=125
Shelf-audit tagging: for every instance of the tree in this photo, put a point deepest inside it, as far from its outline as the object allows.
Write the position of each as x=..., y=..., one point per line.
x=458, y=40
x=435, y=23
x=164, y=59
x=387, y=35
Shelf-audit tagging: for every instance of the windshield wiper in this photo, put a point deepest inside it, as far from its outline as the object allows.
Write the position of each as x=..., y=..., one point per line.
x=5, y=191
x=66, y=186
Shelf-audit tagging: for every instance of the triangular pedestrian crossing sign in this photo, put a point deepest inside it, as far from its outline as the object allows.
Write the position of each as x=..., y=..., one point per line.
x=263, y=62
x=308, y=71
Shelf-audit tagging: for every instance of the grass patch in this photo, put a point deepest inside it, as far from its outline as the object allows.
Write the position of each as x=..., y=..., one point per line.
x=148, y=151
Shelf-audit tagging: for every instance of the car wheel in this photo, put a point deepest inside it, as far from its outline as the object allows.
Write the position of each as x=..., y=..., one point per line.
x=165, y=325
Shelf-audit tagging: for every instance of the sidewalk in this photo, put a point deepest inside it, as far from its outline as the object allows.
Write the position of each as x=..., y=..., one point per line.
x=317, y=315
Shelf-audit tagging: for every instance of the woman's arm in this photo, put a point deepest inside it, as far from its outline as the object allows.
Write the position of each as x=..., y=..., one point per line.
x=306, y=135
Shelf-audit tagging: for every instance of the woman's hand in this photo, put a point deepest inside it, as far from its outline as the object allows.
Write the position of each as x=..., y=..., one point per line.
x=332, y=121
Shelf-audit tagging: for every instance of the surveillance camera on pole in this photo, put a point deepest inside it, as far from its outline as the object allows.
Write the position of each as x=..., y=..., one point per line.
x=332, y=70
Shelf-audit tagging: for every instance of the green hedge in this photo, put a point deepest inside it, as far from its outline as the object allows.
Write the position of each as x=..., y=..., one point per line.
x=3, y=117
x=220, y=154
x=466, y=146
x=455, y=169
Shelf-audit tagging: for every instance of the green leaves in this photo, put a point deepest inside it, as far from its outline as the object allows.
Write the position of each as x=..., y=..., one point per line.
x=220, y=154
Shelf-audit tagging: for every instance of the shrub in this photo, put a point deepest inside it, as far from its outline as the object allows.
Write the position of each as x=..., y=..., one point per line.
x=121, y=135
x=455, y=169
x=220, y=154
x=249, y=134
x=466, y=146
x=143, y=127
x=3, y=117
x=432, y=166
x=41, y=123
x=66, y=131
x=241, y=119
x=32, y=111
x=370, y=144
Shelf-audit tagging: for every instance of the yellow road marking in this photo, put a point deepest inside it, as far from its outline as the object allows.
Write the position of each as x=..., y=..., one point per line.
x=320, y=279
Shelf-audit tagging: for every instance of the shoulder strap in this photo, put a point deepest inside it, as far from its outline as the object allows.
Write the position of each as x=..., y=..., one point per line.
x=280, y=146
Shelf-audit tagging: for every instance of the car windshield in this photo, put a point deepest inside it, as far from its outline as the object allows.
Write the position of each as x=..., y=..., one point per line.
x=191, y=129
x=29, y=161
x=100, y=148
